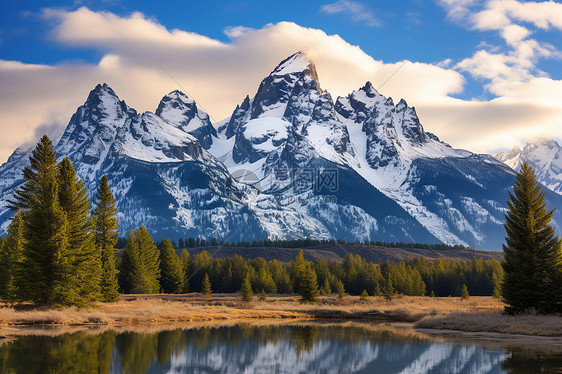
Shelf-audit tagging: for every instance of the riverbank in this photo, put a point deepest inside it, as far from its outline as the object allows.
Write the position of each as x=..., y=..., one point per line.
x=482, y=314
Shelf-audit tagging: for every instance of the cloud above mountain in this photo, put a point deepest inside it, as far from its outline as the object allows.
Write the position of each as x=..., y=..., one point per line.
x=142, y=60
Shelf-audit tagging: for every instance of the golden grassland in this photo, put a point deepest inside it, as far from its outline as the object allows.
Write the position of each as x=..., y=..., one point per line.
x=478, y=314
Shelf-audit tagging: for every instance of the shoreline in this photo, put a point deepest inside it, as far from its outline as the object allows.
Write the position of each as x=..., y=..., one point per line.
x=479, y=315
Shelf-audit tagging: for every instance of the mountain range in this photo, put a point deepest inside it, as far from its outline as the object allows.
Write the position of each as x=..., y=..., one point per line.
x=544, y=155
x=290, y=162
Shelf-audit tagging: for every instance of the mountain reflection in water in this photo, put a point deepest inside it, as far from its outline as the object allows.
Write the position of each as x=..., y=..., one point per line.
x=307, y=348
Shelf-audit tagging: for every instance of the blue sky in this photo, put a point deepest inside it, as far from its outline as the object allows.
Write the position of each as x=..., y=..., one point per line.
x=392, y=31
x=490, y=61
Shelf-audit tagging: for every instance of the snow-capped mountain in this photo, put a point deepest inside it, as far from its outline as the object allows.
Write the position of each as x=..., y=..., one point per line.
x=289, y=162
x=160, y=175
x=544, y=156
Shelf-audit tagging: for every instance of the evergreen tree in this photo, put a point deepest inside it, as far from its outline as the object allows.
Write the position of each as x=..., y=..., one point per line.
x=185, y=259
x=364, y=295
x=140, y=266
x=388, y=290
x=308, y=288
x=84, y=256
x=340, y=289
x=246, y=291
x=106, y=235
x=170, y=268
x=263, y=295
x=532, y=253
x=325, y=289
x=464, y=293
x=46, y=272
x=11, y=252
x=298, y=270
x=206, y=286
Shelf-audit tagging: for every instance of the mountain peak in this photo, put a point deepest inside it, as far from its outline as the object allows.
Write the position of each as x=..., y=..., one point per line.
x=542, y=141
x=297, y=63
x=101, y=89
x=175, y=101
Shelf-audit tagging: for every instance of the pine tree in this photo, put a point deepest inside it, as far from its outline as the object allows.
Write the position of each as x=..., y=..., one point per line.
x=106, y=235
x=325, y=289
x=246, y=292
x=263, y=295
x=10, y=257
x=388, y=290
x=46, y=272
x=140, y=266
x=364, y=295
x=170, y=268
x=206, y=286
x=464, y=293
x=532, y=253
x=185, y=259
x=340, y=289
x=298, y=270
x=84, y=256
x=308, y=288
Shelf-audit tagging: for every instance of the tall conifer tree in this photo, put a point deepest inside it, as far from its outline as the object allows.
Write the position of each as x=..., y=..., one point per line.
x=532, y=253
x=45, y=274
x=84, y=256
x=11, y=254
x=106, y=234
x=140, y=266
x=170, y=268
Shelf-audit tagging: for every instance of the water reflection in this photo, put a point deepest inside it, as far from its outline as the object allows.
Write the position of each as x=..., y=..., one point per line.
x=264, y=349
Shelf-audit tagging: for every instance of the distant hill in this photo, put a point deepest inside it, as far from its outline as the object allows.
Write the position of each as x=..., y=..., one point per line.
x=336, y=252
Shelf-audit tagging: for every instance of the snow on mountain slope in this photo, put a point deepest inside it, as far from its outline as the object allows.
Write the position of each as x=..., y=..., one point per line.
x=160, y=175
x=544, y=156
x=177, y=109
x=289, y=163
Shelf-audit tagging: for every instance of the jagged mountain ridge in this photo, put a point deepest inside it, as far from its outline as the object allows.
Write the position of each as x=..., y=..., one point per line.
x=172, y=170
x=544, y=156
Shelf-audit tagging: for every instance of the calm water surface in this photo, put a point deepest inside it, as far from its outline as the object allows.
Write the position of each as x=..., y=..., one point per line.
x=307, y=348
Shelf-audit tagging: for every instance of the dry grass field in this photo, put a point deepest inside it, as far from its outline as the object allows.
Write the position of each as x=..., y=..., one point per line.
x=482, y=314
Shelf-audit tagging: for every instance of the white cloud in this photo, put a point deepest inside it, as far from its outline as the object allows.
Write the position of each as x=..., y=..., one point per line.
x=138, y=53
x=357, y=11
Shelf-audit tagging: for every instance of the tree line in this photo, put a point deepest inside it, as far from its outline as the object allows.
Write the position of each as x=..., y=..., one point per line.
x=298, y=243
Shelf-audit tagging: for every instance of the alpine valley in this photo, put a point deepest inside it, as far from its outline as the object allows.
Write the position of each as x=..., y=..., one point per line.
x=288, y=163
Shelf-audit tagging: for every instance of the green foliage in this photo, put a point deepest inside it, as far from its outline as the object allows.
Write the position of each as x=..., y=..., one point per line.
x=388, y=290
x=106, y=234
x=11, y=254
x=185, y=259
x=298, y=271
x=308, y=288
x=340, y=289
x=170, y=268
x=464, y=293
x=263, y=295
x=532, y=253
x=84, y=255
x=206, y=286
x=140, y=266
x=364, y=295
x=325, y=289
x=246, y=291
x=46, y=273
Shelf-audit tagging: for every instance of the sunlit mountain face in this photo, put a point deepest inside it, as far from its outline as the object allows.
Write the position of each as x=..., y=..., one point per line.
x=290, y=162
